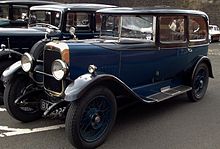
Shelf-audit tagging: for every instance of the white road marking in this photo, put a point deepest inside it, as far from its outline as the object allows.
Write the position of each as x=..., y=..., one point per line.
x=21, y=131
x=2, y=109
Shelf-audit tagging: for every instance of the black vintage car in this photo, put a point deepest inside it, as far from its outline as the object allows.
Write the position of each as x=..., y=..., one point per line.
x=147, y=54
x=14, y=13
x=49, y=22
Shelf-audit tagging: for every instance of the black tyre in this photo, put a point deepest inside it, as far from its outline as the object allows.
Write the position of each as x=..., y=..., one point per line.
x=15, y=88
x=90, y=119
x=3, y=65
x=199, y=82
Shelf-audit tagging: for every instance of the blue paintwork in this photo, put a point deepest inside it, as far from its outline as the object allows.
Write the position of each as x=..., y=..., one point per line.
x=145, y=71
x=84, y=54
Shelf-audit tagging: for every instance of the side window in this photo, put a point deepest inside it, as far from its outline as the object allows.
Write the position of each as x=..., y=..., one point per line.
x=172, y=29
x=110, y=25
x=138, y=27
x=80, y=21
x=197, y=29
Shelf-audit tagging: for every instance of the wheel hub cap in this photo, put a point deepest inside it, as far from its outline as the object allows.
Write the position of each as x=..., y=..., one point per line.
x=97, y=119
x=201, y=83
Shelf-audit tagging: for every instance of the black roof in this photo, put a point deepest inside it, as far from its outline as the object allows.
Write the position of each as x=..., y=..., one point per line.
x=28, y=2
x=150, y=10
x=73, y=7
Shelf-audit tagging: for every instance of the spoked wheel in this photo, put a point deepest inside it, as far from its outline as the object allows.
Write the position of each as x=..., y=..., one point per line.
x=26, y=111
x=199, y=83
x=90, y=119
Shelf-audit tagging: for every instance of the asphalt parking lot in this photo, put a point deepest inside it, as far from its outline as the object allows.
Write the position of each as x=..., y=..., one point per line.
x=172, y=124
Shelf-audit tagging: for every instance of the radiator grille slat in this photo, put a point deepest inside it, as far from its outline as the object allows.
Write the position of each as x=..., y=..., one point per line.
x=50, y=83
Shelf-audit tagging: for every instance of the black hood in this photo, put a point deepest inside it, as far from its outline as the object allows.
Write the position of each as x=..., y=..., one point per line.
x=21, y=32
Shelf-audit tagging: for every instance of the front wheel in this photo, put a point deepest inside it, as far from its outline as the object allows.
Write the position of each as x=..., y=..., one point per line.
x=3, y=65
x=90, y=119
x=18, y=86
x=199, y=82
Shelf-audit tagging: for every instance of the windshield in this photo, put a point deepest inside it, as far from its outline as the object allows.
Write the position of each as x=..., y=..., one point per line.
x=45, y=17
x=4, y=9
x=133, y=27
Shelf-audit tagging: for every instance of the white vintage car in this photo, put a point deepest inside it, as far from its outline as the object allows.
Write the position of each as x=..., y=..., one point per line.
x=214, y=33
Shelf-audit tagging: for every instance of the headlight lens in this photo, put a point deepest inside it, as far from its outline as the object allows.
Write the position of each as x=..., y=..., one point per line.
x=26, y=62
x=59, y=69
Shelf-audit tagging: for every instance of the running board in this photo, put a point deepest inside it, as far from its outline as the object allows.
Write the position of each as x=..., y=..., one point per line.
x=168, y=92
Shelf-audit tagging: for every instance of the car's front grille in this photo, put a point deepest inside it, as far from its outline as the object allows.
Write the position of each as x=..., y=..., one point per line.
x=50, y=83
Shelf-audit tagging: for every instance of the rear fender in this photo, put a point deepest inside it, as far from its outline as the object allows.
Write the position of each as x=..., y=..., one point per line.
x=206, y=60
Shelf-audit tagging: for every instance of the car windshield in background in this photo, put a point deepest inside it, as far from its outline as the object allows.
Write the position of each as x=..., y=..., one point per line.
x=45, y=17
x=133, y=27
x=20, y=12
x=4, y=10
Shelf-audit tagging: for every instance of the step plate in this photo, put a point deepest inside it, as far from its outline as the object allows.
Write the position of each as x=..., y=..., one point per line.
x=168, y=93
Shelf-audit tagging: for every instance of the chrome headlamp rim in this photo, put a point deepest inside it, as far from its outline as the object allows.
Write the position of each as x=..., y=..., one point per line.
x=27, y=62
x=63, y=69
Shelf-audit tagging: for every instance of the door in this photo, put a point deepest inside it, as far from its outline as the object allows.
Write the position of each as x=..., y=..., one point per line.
x=174, y=50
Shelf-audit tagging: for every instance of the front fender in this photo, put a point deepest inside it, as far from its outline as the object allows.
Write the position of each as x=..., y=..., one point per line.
x=84, y=83
x=9, y=52
x=10, y=71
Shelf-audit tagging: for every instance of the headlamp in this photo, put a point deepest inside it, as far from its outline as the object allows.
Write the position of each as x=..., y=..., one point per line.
x=26, y=62
x=59, y=69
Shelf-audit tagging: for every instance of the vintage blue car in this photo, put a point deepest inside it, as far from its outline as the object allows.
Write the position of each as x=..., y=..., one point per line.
x=147, y=54
x=48, y=22
x=14, y=13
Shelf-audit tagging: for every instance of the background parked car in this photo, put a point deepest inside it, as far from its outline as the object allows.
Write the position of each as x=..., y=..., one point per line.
x=62, y=21
x=214, y=33
x=147, y=54
x=15, y=13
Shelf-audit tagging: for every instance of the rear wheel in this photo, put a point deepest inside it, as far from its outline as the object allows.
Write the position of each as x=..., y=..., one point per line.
x=18, y=86
x=199, y=82
x=90, y=119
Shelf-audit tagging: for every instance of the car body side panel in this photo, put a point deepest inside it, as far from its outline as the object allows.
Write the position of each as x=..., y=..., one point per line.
x=139, y=67
x=82, y=55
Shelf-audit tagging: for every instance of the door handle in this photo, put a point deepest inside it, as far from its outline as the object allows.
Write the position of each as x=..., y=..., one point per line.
x=190, y=50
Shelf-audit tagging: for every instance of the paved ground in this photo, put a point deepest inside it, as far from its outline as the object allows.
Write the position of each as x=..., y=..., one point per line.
x=173, y=124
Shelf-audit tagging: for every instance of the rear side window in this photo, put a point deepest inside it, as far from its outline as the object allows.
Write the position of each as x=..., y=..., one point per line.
x=197, y=29
x=172, y=29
